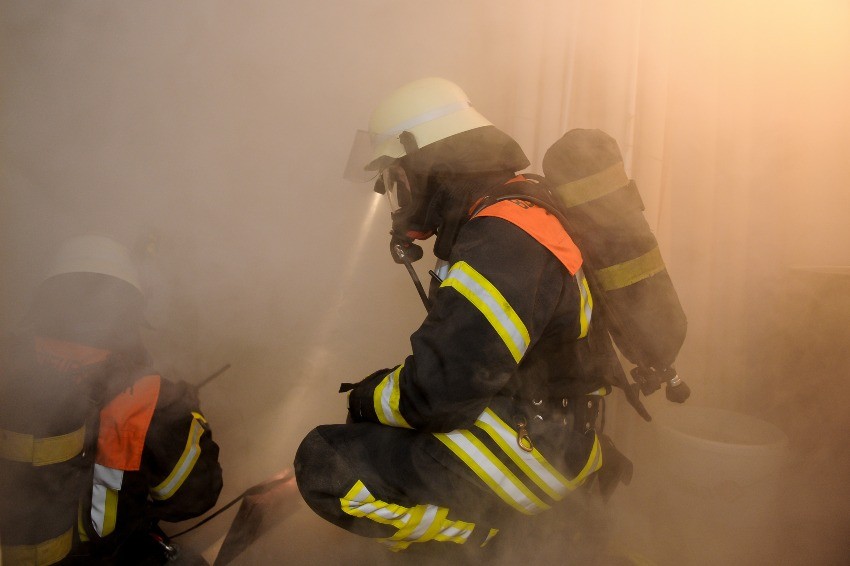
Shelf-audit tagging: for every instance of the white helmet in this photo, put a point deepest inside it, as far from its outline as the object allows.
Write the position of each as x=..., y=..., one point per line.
x=94, y=254
x=431, y=109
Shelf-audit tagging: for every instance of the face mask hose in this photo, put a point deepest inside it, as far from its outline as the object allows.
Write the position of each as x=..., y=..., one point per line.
x=406, y=254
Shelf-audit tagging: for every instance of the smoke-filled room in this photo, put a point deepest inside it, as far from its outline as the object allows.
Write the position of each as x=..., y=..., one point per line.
x=431, y=283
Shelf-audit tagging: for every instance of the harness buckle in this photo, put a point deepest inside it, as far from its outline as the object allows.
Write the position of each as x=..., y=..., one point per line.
x=523, y=440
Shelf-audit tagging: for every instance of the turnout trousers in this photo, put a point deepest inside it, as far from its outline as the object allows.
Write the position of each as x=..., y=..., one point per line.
x=385, y=483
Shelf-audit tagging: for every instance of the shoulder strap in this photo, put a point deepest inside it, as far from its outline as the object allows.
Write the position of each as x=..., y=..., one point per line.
x=541, y=226
x=124, y=422
x=535, y=216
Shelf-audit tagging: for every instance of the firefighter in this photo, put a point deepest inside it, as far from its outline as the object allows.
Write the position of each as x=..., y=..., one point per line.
x=495, y=414
x=95, y=446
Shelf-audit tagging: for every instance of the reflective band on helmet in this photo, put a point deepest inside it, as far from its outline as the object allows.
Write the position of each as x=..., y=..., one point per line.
x=420, y=119
x=631, y=271
x=415, y=524
x=386, y=399
x=492, y=471
x=586, y=306
x=487, y=299
x=41, y=451
x=590, y=188
x=47, y=552
x=184, y=465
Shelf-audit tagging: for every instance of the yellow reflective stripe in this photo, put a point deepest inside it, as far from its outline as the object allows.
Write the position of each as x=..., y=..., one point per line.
x=594, y=462
x=358, y=502
x=421, y=519
x=185, y=464
x=454, y=531
x=386, y=399
x=81, y=528
x=490, y=535
x=492, y=471
x=110, y=515
x=594, y=186
x=586, y=305
x=41, y=554
x=417, y=524
x=533, y=464
x=631, y=271
x=435, y=525
x=487, y=299
x=394, y=546
x=104, y=498
x=26, y=448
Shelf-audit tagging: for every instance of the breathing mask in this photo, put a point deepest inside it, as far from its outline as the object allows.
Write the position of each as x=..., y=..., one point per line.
x=414, y=210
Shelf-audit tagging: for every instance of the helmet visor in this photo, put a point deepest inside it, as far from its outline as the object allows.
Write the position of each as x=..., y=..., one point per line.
x=359, y=157
x=362, y=164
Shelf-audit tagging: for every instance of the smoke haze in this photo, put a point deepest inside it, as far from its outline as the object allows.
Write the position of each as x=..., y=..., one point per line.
x=211, y=137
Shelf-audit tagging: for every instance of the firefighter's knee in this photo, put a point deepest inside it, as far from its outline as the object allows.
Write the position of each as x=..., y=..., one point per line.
x=308, y=469
x=319, y=472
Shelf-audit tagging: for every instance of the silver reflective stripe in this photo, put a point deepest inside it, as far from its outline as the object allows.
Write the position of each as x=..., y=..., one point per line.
x=441, y=268
x=420, y=523
x=359, y=502
x=490, y=535
x=486, y=298
x=421, y=119
x=492, y=471
x=453, y=531
x=105, y=485
x=586, y=307
x=184, y=466
x=594, y=461
x=425, y=523
x=387, y=397
x=532, y=463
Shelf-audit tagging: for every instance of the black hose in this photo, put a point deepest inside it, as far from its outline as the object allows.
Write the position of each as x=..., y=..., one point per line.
x=253, y=490
x=401, y=256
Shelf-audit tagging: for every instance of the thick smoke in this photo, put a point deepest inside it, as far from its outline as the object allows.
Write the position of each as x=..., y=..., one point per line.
x=211, y=137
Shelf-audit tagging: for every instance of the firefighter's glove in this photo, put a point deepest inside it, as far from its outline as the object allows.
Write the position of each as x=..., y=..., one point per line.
x=360, y=396
x=616, y=468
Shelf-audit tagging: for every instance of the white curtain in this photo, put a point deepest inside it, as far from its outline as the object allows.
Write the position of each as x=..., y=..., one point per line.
x=732, y=118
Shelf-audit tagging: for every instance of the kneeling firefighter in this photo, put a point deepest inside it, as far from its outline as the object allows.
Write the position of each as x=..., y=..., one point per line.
x=95, y=446
x=495, y=414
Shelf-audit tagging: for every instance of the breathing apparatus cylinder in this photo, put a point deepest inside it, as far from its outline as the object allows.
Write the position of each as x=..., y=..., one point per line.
x=623, y=263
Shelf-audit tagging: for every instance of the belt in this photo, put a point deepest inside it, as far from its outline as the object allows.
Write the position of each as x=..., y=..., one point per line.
x=581, y=413
x=41, y=554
